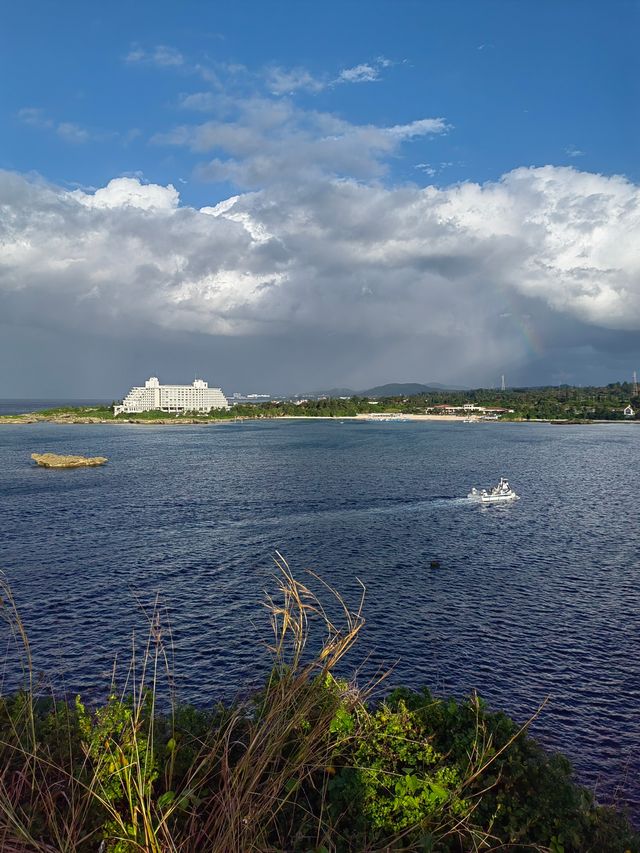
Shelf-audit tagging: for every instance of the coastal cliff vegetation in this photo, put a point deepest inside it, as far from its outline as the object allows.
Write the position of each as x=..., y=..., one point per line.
x=310, y=762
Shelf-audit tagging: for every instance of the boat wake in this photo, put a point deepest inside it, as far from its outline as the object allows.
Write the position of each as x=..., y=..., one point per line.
x=407, y=507
x=447, y=502
x=356, y=512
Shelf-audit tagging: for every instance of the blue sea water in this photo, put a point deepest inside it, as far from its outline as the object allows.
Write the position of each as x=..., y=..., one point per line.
x=20, y=406
x=536, y=599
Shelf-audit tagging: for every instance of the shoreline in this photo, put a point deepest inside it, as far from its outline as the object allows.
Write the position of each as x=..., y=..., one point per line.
x=28, y=418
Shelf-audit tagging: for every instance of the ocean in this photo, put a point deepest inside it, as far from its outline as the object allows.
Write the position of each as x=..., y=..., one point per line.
x=537, y=600
x=19, y=407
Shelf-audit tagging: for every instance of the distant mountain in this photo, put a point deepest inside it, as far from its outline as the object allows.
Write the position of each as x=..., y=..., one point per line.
x=406, y=389
x=391, y=389
x=337, y=392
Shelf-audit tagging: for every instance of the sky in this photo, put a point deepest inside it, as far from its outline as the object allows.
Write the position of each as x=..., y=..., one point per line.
x=292, y=196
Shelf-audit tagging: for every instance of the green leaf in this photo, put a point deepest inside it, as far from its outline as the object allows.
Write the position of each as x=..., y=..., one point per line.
x=342, y=723
x=166, y=799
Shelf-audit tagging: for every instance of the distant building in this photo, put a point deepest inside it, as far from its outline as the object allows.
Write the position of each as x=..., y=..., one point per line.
x=172, y=398
x=446, y=409
x=629, y=413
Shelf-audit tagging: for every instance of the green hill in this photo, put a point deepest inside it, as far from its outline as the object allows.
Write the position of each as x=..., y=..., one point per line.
x=405, y=389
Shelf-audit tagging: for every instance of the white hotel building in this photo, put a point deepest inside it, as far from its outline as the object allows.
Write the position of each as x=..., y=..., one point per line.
x=172, y=398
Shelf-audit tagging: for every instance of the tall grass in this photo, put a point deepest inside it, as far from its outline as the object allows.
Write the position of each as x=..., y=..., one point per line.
x=72, y=779
x=306, y=763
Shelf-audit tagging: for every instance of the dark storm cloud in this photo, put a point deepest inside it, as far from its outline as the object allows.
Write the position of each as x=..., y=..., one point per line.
x=409, y=281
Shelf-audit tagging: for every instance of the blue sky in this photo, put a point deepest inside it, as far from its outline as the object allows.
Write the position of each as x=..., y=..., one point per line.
x=525, y=83
x=294, y=109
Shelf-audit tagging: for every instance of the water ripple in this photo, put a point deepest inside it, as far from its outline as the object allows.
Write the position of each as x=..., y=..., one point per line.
x=532, y=600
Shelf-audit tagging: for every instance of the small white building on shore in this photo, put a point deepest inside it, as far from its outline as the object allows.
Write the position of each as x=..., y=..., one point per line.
x=469, y=409
x=153, y=396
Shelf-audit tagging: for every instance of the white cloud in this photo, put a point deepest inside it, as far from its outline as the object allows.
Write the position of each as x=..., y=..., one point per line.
x=282, y=81
x=572, y=151
x=274, y=79
x=161, y=55
x=429, y=270
x=130, y=192
x=278, y=80
x=200, y=101
x=71, y=132
x=263, y=140
x=167, y=56
x=432, y=169
x=363, y=73
x=35, y=117
x=422, y=127
x=66, y=130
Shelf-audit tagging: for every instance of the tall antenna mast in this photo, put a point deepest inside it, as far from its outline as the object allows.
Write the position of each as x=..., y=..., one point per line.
x=635, y=384
x=503, y=386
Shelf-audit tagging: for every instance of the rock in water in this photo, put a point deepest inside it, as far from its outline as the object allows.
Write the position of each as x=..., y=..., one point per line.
x=53, y=460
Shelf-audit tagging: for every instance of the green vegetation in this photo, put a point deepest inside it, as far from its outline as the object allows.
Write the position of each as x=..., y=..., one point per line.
x=70, y=412
x=308, y=764
x=563, y=403
x=329, y=407
x=551, y=403
x=560, y=403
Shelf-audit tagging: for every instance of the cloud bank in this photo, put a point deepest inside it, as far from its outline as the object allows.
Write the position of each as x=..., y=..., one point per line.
x=459, y=270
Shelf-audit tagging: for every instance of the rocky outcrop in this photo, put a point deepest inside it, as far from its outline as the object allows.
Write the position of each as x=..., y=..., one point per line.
x=54, y=460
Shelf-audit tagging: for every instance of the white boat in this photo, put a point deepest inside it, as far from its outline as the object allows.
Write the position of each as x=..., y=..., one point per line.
x=498, y=494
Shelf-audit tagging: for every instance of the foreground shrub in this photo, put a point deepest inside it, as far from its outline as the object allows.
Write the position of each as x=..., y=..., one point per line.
x=393, y=786
x=522, y=795
x=308, y=764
